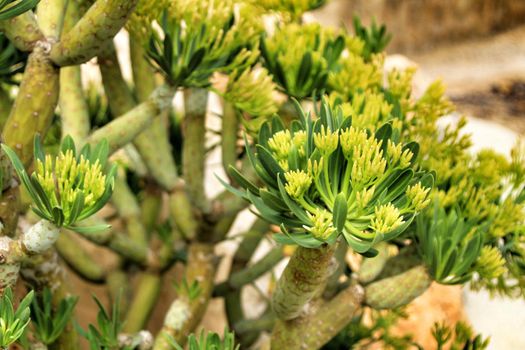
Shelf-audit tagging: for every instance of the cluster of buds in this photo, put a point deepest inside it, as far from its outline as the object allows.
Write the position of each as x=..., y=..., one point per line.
x=69, y=187
x=325, y=178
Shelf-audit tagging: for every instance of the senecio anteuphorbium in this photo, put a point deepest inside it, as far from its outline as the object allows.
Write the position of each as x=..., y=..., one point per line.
x=325, y=178
x=64, y=189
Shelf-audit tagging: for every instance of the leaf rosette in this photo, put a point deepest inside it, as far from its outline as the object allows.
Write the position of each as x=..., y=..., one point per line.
x=325, y=178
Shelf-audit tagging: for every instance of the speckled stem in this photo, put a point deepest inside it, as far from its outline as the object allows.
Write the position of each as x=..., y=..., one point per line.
x=398, y=290
x=185, y=314
x=152, y=143
x=144, y=300
x=129, y=126
x=78, y=259
x=22, y=31
x=229, y=130
x=99, y=24
x=333, y=284
x=34, y=107
x=50, y=17
x=322, y=323
x=305, y=274
x=194, y=148
x=11, y=254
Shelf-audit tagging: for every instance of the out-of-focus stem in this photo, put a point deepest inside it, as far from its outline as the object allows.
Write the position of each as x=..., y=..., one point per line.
x=129, y=126
x=263, y=323
x=194, y=148
x=99, y=24
x=22, y=31
x=73, y=107
x=150, y=206
x=232, y=300
x=143, y=73
x=182, y=212
x=185, y=313
x=152, y=143
x=249, y=274
x=5, y=106
x=119, y=289
x=305, y=274
x=50, y=17
x=143, y=302
x=314, y=330
x=78, y=259
x=34, y=106
x=230, y=127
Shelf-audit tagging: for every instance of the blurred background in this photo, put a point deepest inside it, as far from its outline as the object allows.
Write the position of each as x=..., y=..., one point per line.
x=477, y=48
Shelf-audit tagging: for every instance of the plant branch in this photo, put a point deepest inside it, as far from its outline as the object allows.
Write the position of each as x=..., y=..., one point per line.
x=99, y=24
x=22, y=31
x=50, y=17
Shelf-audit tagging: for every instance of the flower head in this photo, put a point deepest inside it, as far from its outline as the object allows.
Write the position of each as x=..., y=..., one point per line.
x=297, y=183
x=326, y=141
x=322, y=224
x=418, y=196
x=387, y=218
x=69, y=187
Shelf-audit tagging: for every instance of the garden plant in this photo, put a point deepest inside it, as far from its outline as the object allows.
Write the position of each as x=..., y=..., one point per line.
x=366, y=198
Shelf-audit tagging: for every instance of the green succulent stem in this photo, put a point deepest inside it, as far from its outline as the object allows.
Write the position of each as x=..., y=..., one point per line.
x=230, y=129
x=22, y=31
x=398, y=290
x=129, y=210
x=74, y=111
x=249, y=274
x=182, y=212
x=50, y=17
x=142, y=71
x=372, y=267
x=144, y=300
x=70, y=249
x=194, y=148
x=302, y=279
x=99, y=24
x=152, y=143
x=323, y=322
x=264, y=323
x=5, y=106
x=127, y=127
x=34, y=107
x=185, y=313
x=73, y=107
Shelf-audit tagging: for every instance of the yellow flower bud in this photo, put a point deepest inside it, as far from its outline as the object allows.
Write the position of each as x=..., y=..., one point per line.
x=322, y=224
x=297, y=183
x=418, y=196
x=387, y=218
x=280, y=144
x=490, y=263
x=326, y=141
x=364, y=196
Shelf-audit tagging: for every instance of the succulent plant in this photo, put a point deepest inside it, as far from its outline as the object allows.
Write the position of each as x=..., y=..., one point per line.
x=325, y=178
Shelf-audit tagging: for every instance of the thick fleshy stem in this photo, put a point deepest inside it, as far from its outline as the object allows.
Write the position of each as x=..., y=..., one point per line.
x=372, y=267
x=50, y=17
x=185, y=313
x=230, y=128
x=78, y=259
x=5, y=106
x=194, y=148
x=129, y=126
x=302, y=279
x=398, y=290
x=86, y=39
x=144, y=300
x=34, y=107
x=157, y=155
x=321, y=324
x=22, y=31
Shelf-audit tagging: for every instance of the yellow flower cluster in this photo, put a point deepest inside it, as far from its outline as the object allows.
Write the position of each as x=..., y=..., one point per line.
x=63, y=178
x=387, y=218
x=322, y=224
x=490, y=263
x=297, y=183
